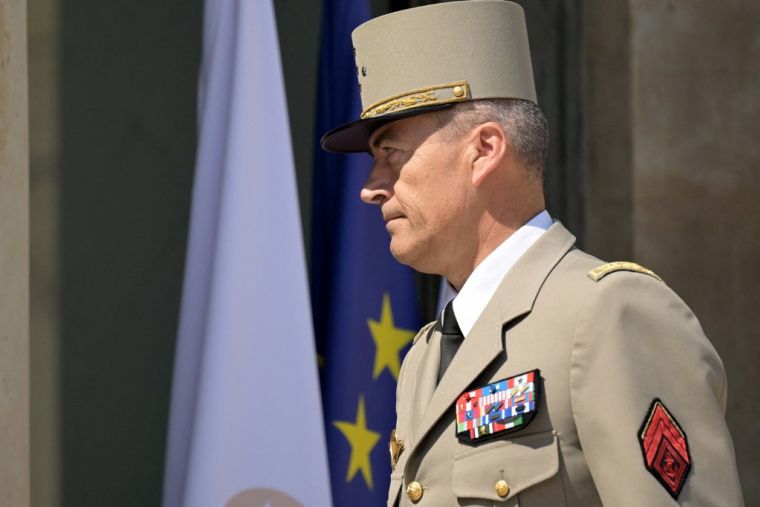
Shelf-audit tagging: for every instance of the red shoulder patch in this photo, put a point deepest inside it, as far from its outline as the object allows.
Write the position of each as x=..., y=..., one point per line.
x=665, y=448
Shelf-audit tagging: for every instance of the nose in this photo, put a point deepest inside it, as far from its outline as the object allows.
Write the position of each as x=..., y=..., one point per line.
x=379, y=185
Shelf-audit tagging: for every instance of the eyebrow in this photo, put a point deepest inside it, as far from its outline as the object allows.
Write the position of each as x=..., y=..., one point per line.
x=388, y=135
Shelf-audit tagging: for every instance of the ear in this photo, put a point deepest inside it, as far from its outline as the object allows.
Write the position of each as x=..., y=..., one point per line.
x=490, y=146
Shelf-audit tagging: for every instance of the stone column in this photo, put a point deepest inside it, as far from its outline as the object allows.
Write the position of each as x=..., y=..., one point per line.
x=14, y=258
x=606, y=57
x=696, y=182
x=44, y=182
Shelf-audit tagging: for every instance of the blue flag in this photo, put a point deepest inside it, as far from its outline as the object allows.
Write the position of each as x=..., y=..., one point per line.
x=364, y=302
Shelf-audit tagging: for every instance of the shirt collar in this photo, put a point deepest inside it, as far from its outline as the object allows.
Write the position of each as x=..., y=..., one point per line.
x=480, y=287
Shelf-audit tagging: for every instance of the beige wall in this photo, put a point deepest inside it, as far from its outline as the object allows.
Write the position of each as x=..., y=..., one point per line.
x=14, y=263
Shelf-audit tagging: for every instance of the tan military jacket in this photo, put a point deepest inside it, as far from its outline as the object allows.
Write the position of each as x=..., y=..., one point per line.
x=606, y=349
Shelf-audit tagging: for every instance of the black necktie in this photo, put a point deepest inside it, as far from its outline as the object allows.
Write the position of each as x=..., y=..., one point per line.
x=451, y=339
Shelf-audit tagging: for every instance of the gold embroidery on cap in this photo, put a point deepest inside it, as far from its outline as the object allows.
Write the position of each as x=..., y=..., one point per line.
x=597, y=274
x=419, y=97
x=403, y=103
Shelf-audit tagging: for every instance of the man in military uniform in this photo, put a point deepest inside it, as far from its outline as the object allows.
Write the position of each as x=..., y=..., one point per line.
x=553, y=378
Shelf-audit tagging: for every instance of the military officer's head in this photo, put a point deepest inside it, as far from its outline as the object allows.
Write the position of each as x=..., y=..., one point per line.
x=450, y=118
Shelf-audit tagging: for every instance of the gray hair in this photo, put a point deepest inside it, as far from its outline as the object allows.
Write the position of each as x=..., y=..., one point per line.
x=523, y=121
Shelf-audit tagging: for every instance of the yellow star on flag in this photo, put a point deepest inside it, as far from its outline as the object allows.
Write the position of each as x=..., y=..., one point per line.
x=362, y=442
x=389, y=340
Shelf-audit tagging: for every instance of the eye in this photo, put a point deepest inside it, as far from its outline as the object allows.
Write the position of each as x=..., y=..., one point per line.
x=388, y=150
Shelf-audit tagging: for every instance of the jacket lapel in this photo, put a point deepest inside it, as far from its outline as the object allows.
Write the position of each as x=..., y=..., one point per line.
x=513, y=298
x=427, y=374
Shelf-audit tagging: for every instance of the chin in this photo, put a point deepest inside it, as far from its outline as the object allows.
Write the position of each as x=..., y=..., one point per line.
x=411, y=255
x=402, y=253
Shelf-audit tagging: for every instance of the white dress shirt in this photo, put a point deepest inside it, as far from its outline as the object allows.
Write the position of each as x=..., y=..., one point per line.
x=480, y=287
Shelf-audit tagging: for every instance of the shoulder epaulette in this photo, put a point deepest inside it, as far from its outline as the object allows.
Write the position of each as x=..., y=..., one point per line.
x=424, y=328
x=597, y=274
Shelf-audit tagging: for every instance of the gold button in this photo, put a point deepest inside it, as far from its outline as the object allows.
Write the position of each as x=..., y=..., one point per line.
x=458, y=91
x=502, y=489
x=414, y=490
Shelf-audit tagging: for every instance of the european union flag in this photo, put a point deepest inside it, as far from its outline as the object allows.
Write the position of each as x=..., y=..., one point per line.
x=364, y=302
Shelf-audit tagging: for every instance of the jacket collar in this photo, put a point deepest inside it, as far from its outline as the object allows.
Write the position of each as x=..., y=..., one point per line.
x=514, y=298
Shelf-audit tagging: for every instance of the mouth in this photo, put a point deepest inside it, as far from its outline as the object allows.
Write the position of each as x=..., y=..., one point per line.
x=388, y=217
x=392, y=223
x=389, y=221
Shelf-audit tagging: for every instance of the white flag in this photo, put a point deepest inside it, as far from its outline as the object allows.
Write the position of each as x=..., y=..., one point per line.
x=246, y=424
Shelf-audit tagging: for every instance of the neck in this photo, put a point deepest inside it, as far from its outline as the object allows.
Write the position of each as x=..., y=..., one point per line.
x=491, y=233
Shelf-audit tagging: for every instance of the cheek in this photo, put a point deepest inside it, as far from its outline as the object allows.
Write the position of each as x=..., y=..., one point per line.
x=436, y=208
x=432, y=192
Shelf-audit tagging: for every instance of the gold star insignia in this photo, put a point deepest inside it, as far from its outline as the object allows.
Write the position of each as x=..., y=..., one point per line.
x=389, y=340
x=362, y=442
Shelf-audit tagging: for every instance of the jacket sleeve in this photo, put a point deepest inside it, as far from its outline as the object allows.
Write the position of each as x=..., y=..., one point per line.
x=636, y=341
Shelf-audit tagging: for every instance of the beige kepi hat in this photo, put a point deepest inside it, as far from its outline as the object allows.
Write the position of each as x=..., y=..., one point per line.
x=429, y=58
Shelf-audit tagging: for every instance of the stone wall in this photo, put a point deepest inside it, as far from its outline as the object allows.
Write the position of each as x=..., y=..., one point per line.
x=673, y=170
x=696, y=182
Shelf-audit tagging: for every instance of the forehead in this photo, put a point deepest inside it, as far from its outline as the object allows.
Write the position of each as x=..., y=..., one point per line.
x=409, y=129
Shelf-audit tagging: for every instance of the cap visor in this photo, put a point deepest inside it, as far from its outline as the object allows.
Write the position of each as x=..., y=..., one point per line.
x=354, y=137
